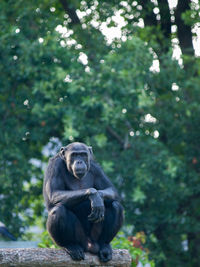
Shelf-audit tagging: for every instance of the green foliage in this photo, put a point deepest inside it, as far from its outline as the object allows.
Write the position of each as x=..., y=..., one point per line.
x=137, y=254
x=143, y=124
x=46, y=241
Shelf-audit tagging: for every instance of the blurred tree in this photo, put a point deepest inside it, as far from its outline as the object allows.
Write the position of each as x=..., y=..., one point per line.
x=61, y=78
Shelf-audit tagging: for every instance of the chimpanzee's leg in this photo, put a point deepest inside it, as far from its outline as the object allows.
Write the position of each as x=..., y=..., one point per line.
x=82, y=211
x=67, y=231
x=112, y=222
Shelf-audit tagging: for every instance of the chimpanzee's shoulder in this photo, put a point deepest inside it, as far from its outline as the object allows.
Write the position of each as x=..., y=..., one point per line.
x=95, y=167
x=56, y=160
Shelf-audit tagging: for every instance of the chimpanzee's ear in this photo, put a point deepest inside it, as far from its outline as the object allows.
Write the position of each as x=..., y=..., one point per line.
x=90, y=150
x=62, y=152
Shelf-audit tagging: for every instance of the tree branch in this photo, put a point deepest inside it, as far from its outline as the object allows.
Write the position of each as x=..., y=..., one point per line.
x=115, y=135
x=34, y=257
x=124, y=143
x=71, y=11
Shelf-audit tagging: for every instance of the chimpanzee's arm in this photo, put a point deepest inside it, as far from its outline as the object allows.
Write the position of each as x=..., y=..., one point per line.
x=68, y=198
x=104, y=186
x=55, y=187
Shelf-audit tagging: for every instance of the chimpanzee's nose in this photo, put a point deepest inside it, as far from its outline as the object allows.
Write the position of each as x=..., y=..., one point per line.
x=79, y=162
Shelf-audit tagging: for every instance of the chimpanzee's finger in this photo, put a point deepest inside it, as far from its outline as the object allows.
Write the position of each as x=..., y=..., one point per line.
x=100, y=215
x=93, y=215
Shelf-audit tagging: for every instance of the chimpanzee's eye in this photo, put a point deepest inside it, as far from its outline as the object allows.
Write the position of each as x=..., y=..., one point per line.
x=80, y=154
x=73, y=155
x=84, y=155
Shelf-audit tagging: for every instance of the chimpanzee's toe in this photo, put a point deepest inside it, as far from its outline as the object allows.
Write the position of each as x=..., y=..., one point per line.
x=105, y=253
x=76, y=252
x=92, y=247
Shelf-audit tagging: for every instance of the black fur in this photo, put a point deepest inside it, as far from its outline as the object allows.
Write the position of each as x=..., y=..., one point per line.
x=83, y=214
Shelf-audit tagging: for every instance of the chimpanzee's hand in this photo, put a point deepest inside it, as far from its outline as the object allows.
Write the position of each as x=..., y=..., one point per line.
x=97, y=206
x=91, y=191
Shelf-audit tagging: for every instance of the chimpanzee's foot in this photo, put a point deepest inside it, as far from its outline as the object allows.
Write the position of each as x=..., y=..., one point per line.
x=105, y=252
x=75, y=251
x=92, y=247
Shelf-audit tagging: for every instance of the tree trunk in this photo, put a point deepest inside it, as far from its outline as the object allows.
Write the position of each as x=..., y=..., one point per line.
x=184, y=31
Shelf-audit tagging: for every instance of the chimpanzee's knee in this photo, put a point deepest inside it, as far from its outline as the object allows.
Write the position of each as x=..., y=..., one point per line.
x=114, y=211
x=119, y=213
x=112, y=222
x=65, y=227
x=55, y=217
x=60, y=225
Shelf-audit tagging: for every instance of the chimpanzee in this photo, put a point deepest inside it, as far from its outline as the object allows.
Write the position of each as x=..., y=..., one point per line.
x=84, y=213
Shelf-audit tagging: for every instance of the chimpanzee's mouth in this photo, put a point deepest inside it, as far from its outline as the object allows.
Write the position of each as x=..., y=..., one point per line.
x=82, y=171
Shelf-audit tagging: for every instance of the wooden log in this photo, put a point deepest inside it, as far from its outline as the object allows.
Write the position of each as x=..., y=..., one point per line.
x=35, y=257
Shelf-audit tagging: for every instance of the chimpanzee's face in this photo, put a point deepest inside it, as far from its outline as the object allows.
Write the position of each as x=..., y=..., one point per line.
x=77, y=157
